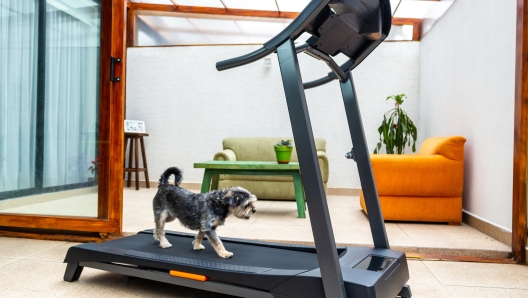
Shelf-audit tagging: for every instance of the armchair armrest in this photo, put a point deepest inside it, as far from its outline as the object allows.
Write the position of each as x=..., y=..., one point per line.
x=323, y=164
x=416, y=175
x=226, y=154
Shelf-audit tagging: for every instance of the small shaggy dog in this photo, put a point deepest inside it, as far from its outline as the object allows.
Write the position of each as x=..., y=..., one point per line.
x=202, y=212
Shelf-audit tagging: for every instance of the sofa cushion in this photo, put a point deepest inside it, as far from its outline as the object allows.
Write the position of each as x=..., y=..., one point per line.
x=450, y=147
x=261, y=149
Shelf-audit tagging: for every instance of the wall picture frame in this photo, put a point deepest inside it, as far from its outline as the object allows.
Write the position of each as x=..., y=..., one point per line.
x=135, y=126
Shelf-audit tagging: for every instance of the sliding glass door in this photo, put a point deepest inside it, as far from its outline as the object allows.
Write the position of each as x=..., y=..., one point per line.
x=49, y=93
x=57, y=105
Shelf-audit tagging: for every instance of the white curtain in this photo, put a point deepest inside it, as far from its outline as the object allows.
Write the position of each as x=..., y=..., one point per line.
x=72, y=94
x=18, y=85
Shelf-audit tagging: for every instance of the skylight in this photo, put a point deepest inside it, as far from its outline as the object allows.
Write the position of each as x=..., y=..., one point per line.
x=174, y=28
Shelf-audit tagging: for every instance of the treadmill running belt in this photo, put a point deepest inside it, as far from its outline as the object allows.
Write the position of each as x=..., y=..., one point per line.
x=194, y=262
x=244, y=255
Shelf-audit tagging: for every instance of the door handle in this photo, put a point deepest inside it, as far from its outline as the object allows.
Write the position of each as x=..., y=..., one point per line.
x=113, y=61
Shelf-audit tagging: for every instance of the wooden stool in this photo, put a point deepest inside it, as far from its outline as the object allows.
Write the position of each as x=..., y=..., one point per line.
x=136, y=138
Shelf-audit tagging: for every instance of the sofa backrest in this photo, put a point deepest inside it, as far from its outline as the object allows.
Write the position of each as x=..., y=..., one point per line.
x=450, y=147
x=261, y=149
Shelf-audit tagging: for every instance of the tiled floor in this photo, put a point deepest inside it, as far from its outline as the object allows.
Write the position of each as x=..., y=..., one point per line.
x=350, y=224
x=34, y=267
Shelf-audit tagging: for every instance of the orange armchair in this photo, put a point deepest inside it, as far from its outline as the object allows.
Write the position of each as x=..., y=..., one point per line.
x=422, y=187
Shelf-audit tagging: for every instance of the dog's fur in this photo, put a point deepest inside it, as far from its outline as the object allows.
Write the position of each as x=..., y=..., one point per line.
x=202, y=212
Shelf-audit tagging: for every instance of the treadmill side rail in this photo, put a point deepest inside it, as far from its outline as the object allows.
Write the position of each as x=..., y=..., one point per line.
x=167, y=278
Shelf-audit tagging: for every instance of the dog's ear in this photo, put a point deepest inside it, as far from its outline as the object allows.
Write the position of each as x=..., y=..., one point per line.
x=231, y=201
x=229, y=197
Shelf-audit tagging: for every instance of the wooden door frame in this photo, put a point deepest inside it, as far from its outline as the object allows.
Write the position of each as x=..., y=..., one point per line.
x=111, y=131
x=520, y=135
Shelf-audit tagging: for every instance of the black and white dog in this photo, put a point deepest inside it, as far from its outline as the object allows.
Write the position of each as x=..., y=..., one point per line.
x=202, y=212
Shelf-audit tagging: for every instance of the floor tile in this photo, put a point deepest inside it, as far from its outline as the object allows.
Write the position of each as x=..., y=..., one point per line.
x=29, y=278
x=17, y=248
x=54, y=254
x=419, y=273
x=443, y=235
x=480, y=274
x=420, y=290
x=273, y=232
x=481, y=292
x=4, y=261
x=282, y=218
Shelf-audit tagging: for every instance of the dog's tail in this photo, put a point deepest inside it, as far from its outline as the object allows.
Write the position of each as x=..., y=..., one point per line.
x=164, y=179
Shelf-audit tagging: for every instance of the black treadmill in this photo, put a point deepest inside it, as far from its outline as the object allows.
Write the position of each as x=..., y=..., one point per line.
x=260, y=269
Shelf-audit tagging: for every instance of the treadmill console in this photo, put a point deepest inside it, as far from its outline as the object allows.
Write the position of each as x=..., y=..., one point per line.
x=375, y=263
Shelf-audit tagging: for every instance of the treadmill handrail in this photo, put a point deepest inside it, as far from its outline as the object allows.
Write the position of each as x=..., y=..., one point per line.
x=294, y=29
x=243, y=60
x=345, y=67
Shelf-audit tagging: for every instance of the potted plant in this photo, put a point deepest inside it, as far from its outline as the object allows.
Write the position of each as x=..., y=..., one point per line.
x=283, y=150
x=94, y=169
x=397, y=129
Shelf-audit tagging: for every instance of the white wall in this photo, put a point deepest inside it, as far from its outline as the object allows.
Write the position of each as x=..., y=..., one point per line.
x=467, y=88
x=189, y=107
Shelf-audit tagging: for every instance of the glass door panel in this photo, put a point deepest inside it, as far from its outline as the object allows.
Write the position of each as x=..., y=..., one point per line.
x=49, y=110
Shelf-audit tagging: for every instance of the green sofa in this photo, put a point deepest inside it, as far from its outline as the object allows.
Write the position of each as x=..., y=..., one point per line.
x=261, y=149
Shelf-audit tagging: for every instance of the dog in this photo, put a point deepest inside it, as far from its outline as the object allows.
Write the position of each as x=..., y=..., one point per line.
x=201, y=212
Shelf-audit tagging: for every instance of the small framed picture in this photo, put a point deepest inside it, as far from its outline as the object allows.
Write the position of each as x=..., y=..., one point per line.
x=134, y=126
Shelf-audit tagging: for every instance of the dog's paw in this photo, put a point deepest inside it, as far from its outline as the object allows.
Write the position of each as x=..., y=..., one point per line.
x=197, y=247
x=156, y=237
x=225, y=254
x=165, y=244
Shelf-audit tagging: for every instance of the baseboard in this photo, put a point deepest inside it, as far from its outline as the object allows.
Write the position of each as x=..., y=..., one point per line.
x=493, y=231
x=334, y=191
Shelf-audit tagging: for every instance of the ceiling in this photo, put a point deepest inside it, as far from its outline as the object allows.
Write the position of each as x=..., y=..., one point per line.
x=192, y=29
x=416, y=9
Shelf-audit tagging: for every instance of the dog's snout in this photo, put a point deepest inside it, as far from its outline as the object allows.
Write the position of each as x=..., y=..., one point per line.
x=254, y=210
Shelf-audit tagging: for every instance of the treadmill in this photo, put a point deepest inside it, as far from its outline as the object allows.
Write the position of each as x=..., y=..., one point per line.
x=260, y=269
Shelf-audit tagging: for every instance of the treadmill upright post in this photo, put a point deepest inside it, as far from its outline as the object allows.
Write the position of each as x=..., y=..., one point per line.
x=310, y=171
x=362, y=157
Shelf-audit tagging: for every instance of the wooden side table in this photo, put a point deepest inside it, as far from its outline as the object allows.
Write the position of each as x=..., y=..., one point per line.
x=133, y=163
x=215, y=168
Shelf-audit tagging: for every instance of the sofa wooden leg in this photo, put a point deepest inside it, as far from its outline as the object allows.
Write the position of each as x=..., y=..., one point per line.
x=454, y=223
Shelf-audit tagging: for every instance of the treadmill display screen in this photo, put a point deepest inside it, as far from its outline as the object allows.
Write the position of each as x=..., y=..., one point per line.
x=375, y=263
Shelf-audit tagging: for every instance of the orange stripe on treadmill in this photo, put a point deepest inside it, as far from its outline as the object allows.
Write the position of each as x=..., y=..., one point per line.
x=188, y=275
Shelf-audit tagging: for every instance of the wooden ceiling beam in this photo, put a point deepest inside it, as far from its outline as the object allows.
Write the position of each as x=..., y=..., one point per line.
x=161, y=8
x=212, y=10
x=416, y=23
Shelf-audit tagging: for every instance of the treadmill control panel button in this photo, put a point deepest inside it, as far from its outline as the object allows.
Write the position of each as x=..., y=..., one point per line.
x=375, y=263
